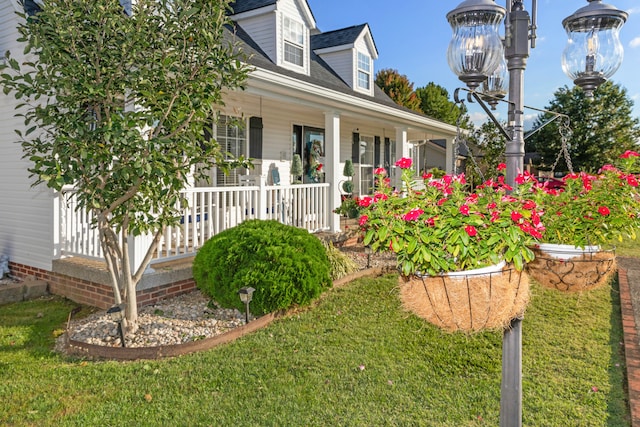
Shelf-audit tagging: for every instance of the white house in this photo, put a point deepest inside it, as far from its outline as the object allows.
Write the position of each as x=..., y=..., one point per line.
x=311, y=93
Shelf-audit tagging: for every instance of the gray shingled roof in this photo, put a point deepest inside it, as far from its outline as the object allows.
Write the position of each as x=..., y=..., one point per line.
x=240, y=6
x=321, y=73
x=340, y=37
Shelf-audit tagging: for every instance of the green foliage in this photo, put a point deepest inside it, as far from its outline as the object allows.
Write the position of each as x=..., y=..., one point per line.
x=593, y=209
x=341, y=264
x=116, y=105
x=347, y=187
x=296, y=169
x=348, y=168
x=435, y=103
x=603, y=128
x=489, y=147
x=286, y=265
x=439, y=226
x=349, y=207
x=398, y=87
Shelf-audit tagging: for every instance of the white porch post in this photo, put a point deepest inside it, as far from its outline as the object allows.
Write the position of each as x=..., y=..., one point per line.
x=450, y=161
x=332, y=166
x=402, y=150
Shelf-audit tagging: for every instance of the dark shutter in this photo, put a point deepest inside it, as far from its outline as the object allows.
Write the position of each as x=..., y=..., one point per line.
x=387, y=155
x=376, y=152
x=255, y=137
x=355, y=148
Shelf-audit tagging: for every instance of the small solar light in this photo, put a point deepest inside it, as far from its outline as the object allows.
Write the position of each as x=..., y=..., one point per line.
x=116, y=314
x=246, y=295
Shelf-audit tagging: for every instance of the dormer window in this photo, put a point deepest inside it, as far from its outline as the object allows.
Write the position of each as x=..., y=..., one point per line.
x=364, y=71
x=293, y=42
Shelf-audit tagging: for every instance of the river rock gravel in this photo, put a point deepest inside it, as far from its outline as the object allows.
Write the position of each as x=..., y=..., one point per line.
x=185, y=318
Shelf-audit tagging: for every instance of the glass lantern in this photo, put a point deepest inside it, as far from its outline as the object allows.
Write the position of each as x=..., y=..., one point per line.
x=494, y=88
x=594, y=51
x=475, y=50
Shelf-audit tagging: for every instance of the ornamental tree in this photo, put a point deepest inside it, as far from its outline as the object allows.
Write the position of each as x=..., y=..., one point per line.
x=115, y=105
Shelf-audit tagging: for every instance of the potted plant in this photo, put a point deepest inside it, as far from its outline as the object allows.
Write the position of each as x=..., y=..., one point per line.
x=583, y=215
x=347, y=186
x=296, y=169
x=453, y=245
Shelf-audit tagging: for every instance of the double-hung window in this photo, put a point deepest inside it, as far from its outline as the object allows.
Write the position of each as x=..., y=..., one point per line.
x=232, y=139
x=364, y=71
x=293, y=42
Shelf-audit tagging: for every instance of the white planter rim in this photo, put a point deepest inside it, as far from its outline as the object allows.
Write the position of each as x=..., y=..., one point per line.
x=555, y=250
x=496, y=268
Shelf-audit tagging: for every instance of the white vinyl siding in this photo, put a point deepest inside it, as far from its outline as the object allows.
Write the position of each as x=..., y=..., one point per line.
x=262, y=30
x=26, y=213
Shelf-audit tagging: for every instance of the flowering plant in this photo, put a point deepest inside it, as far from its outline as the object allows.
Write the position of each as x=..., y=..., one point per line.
x=436, y=226
x=592, y=209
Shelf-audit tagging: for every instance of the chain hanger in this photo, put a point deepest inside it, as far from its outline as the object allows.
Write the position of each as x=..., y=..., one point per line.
x=565, y=131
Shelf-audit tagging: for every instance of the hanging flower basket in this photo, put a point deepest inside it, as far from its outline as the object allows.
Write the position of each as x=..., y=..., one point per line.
x=572, y=269
x=470, y=301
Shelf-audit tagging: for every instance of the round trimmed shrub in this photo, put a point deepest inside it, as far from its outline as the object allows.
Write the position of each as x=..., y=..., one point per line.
x=285, y=265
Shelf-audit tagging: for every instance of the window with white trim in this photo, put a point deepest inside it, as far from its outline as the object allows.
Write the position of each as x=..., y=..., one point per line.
x=232, y=139
x=367, y=146
x=364, y=71
x=293, y=42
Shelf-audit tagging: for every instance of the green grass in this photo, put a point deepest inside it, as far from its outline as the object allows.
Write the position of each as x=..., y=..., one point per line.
x=353, y=359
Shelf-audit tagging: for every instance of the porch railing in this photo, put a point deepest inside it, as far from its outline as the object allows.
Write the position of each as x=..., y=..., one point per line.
x=210, y=210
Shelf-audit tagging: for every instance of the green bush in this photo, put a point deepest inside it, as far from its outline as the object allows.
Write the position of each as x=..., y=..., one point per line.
x=286, y=265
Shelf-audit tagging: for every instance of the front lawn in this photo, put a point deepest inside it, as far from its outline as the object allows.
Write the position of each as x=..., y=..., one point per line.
x=353, y=359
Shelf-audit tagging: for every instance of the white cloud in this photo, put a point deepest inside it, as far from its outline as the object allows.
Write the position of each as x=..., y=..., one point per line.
x=478, y=118
x=633, y=10
x=635, y=42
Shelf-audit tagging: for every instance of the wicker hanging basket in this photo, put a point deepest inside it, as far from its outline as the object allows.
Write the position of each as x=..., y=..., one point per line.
x=469, y=302
x=571, y=269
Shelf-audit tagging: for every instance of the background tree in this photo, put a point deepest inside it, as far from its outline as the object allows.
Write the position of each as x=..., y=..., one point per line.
x=398, y=87
x=116, y=106
x=435, y=103
x=488, y=147
x=603, y=128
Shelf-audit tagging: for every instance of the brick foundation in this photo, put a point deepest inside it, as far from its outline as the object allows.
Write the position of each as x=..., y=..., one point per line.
x=95, y=294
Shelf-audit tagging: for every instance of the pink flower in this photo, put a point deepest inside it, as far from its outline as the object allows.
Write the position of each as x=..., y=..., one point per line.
x=492, y=205
x=495, y=215
x=464, y=210
x=363, y=220
x=380, y=171
x=427, y=175
x=380, y=196
x=365, y=202
x=404, y=163
x=502, y=166
x=604, y=211
x=413, y=214
x=442, y=202
x=472, y=198
x=628, y=154
x=471, y=230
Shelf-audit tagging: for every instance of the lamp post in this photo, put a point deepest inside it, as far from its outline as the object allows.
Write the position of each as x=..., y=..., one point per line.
x=246, y=295
x=116, y=314
x=594, y=52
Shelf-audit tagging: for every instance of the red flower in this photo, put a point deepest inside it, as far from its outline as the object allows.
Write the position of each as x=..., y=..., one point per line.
x=471, y=230
x=464, y=210
x=404, y=163
x=380, y=171
x=628, y=154
x=516, y=216
x=502, y=166
x=365, y=202
x=379, y=196
x=604, y=211
x=413, y=214
x=427, y=175
x=492, y=205
x=632, y=181
x=431, y=222
x=442, y=202
x=495, y=215
x=529, y=205
x=363, y=220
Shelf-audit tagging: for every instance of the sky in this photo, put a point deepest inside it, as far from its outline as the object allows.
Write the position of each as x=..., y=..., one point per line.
x=412, y=37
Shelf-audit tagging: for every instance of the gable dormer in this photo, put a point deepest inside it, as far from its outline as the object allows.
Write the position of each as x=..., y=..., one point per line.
x=351, y=53
x=281, y=28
